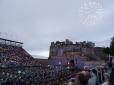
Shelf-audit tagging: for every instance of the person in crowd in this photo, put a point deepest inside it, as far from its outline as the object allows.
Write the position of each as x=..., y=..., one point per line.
x=106, y=75
x=93, y=77
x=101, y=75
x=83, y=76
x=105, y=83
x=111, y=79
x=72, y=82
x=82, y=79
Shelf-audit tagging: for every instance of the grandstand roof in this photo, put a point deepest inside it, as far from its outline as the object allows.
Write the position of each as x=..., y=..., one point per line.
x=10, y=40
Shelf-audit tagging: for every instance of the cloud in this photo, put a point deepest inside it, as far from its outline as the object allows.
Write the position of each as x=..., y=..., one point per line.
x=37, y=23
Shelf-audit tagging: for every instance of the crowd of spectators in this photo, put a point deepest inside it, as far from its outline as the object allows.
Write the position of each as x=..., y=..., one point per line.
x=20, y=69
x=14, y=55
x=101, y=75
x=35, y=76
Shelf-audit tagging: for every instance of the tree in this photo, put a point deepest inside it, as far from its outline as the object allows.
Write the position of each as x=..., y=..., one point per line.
x=107, y=50
x=112, y=47
x=110, y=51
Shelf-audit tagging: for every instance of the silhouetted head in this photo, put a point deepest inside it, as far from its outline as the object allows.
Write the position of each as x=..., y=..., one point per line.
x=94, y=71
x=113, y=69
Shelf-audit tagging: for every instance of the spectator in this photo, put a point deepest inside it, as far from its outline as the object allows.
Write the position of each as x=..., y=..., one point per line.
x=111, y=80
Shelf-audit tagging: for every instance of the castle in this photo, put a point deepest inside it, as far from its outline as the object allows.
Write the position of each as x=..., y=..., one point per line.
x=66, y=52
x=68, y=48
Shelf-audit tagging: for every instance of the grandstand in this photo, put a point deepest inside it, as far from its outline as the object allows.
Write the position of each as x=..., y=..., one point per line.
x=12, y=53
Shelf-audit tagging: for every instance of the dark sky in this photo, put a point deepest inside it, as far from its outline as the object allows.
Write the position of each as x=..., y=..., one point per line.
x=38, y=22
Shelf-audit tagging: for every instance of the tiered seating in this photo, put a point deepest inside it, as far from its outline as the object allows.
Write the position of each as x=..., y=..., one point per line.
x=14, y=54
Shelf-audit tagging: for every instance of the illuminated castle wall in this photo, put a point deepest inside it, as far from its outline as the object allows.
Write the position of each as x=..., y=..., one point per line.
x=68, y=48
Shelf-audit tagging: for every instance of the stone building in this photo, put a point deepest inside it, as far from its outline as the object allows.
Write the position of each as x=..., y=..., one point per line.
x=68, y=48
x=68, y=52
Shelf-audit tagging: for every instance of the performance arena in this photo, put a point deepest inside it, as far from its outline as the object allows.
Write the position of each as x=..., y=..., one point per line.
x=18, y=67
